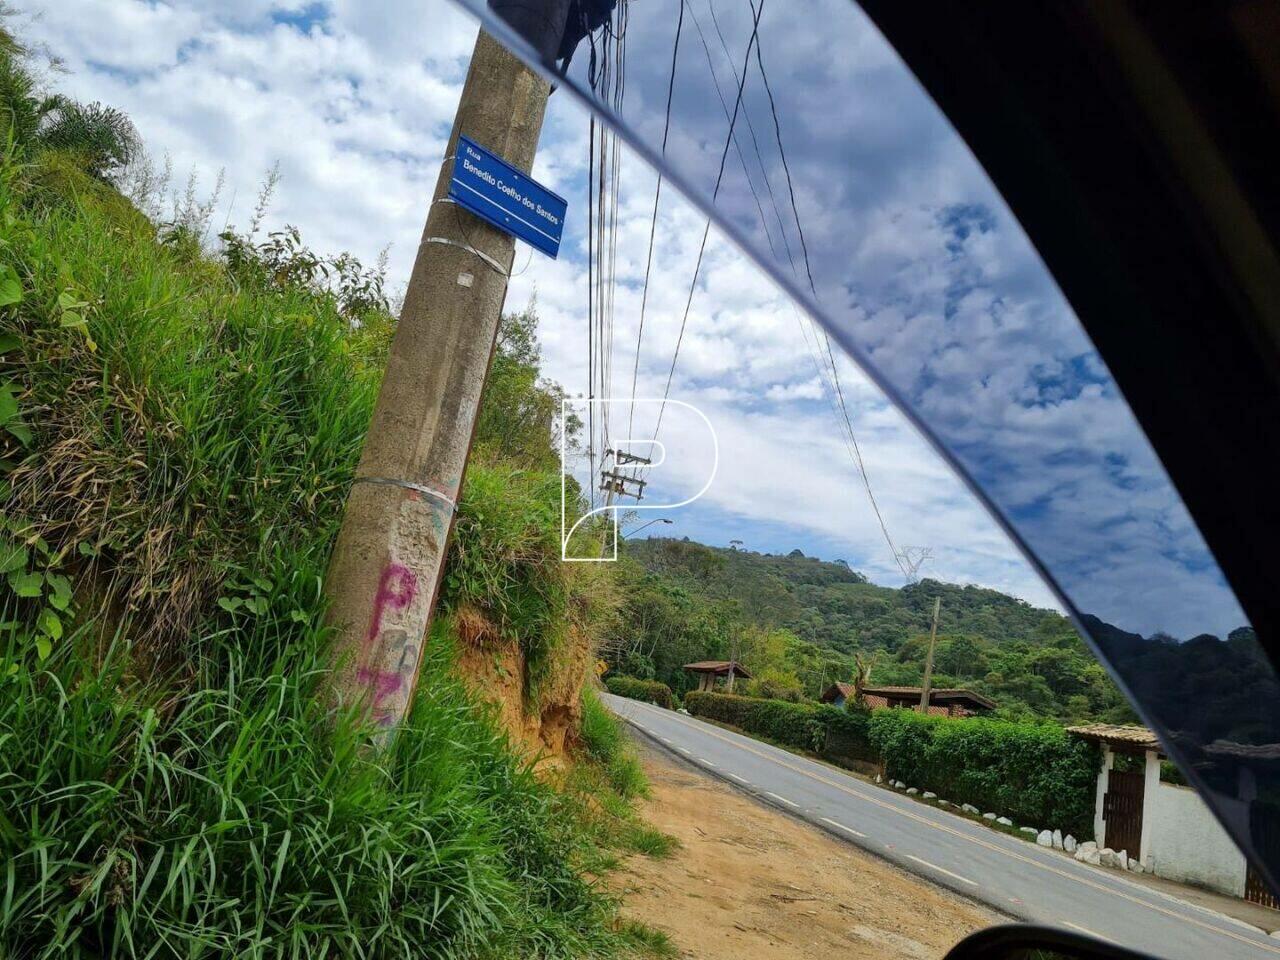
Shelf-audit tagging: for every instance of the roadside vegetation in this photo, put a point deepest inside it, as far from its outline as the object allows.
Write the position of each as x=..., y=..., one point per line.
x=837, y=734
x=1031, y=773
x=611, y=811
x=650, y=691
x=799, y=624
x=180, y=417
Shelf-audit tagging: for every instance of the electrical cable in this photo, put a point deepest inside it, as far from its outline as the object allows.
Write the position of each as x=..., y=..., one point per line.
x=724, y=154
x=835, y=374
x=653, y=222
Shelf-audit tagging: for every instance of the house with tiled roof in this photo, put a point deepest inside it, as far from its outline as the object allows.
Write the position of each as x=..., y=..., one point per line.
x=943, y=701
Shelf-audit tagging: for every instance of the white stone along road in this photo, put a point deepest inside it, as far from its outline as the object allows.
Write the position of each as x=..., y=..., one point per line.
x=1013, y=876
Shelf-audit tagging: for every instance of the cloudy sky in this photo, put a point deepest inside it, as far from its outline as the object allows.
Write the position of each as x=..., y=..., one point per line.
x=916, y=264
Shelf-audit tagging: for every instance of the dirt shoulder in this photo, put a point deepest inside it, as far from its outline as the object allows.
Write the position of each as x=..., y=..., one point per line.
x=751, y=882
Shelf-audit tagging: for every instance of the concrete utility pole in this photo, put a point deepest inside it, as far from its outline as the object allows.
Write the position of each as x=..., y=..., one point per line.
x=389, y=556
x=928, y=661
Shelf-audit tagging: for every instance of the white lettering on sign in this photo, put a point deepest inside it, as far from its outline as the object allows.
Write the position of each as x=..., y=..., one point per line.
x=509, y=190
x=484, y=175
x=490, y=188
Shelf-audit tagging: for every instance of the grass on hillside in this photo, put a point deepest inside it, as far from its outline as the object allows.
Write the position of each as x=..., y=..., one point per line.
x=609, y=787
x=175, y=445
x=236, y=819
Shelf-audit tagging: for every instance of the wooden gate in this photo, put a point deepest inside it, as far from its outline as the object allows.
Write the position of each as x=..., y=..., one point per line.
x=1263, y=817
x=1255, y=890
x=1122, y=810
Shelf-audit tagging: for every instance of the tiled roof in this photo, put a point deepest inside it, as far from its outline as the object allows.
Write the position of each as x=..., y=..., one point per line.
x=935, y=694
x=845, y=690
x=1117, y=734
x=717, y=666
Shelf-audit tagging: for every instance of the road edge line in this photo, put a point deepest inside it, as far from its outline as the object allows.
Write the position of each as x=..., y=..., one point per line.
x=797, y=816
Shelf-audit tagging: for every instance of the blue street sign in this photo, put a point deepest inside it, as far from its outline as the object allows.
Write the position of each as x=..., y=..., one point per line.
x=496, y=191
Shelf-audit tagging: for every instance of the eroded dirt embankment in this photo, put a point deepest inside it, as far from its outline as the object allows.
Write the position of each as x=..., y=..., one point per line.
x=752, y=882
x=543, y=721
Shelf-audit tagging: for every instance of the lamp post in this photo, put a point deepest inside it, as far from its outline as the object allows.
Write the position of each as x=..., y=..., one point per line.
x=649, y=524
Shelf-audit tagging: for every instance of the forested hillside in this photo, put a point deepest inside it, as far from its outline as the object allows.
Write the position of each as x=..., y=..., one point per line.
x=800, y=623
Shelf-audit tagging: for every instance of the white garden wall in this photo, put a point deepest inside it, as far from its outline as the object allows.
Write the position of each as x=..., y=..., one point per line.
x=1187, y=844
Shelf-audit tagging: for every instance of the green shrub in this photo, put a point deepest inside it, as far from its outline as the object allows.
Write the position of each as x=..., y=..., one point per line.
x=651, y=691
x=847, y=734
x=837, y=734
x=504, y=558
x=1036, y=774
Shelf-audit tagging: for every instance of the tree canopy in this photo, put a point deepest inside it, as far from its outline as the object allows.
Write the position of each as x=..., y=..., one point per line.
x=797, y=623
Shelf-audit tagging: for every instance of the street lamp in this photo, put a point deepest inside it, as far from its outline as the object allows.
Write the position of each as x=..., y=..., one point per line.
x=649, y=524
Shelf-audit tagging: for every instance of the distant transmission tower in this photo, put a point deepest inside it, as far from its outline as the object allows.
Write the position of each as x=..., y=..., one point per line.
x=912, y=559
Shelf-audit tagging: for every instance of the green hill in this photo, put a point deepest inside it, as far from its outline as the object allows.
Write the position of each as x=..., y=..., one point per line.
x=800, y=622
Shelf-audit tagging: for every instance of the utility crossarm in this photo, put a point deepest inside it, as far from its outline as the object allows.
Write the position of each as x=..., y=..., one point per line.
x=622, y=457
x=615, y=482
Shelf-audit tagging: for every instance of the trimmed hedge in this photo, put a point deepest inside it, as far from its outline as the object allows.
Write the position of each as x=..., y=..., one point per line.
x=1036, y=775
x=848, y=734
x=650, y=691
x=829, y=731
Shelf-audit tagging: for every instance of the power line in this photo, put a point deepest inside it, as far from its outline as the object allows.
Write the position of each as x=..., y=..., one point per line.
x=737, y=145
x=835, y=373
x=601, y=241
x=619, y=75
x=591, y=354
x=830, y=388
x=751, y=128
x=819, y=366
x=702, y=247
x=607, y=77
x=777, y=129
x=653, y=222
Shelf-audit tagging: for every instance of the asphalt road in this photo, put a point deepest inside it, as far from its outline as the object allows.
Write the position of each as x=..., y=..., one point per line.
x=1017, y=878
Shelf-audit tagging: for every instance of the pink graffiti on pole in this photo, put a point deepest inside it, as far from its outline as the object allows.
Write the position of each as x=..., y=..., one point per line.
x=397, y=587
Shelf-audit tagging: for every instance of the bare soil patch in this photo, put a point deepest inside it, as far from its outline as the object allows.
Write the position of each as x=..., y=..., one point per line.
x=750, y=881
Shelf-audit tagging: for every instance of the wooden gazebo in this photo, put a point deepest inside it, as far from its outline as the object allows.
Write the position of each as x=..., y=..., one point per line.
x=709, y=671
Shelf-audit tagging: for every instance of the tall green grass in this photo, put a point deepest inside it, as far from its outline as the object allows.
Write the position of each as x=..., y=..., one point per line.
x=238, y=819
x=200, y=420
x=170, y=783
x=605, y=742
x=191, y=428
x=612, y=782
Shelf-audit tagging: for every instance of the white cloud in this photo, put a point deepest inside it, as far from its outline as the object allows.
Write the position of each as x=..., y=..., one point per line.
x=355, y=102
